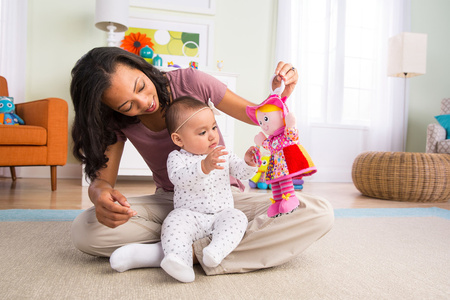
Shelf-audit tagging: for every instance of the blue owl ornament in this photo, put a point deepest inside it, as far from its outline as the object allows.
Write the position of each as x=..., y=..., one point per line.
x=7, y=112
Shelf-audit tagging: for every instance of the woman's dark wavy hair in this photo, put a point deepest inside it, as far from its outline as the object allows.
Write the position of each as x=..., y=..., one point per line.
x=95, y=123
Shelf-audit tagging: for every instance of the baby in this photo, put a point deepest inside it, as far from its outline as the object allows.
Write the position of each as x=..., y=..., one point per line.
x=200, y=172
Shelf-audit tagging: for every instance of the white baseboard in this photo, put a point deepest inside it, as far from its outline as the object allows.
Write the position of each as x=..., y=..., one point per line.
x=68, y=171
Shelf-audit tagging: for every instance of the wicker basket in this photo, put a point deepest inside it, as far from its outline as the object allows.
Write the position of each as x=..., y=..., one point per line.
x=403, y=176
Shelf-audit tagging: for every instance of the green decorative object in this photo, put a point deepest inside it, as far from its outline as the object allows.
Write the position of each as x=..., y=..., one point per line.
x=157, y=61
x=146, y=52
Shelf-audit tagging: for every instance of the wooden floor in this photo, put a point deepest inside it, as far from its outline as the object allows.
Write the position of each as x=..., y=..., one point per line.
x=27, y=193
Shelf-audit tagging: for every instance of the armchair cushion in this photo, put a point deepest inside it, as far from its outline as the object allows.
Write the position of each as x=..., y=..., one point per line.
x=445, y=106
x=23, y=135
x=444, y=121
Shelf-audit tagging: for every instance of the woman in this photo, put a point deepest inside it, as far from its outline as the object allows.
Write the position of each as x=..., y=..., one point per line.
x=117, y=96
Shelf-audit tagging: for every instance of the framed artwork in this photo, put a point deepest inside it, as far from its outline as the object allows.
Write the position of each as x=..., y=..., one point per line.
x=176, y=40
x=192, y=6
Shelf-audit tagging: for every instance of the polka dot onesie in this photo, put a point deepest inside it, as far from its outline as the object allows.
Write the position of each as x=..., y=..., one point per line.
x=203, y=206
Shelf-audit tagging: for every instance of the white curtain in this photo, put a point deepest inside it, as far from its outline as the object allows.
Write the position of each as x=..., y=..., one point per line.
x=13, y=38
x=342, y=67
x=13, y=46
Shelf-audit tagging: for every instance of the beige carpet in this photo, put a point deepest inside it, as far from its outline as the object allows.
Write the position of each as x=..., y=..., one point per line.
x=361, y=258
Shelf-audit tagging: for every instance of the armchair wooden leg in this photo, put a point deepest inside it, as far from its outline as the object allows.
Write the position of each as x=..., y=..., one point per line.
x=13, y=173
x=53, y=176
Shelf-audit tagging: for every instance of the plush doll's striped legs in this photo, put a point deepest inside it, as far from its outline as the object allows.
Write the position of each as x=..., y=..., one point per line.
x=284, y=199
x=289, y=201
x=274, y=209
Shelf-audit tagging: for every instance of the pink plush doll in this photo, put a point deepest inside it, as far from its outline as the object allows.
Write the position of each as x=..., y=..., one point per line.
x=288, y=158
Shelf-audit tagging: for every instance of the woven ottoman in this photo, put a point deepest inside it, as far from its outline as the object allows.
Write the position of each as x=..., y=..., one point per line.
x=403, y=176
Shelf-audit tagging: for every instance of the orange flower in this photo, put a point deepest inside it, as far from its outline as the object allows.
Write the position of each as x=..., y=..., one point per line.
x=135, y=41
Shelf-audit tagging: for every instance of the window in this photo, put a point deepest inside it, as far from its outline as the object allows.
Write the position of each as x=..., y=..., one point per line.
x=341, y=47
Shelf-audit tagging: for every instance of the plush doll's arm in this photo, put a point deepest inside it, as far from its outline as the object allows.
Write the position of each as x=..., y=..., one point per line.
x=291, y=132
x=259, y=139
x=290, y=120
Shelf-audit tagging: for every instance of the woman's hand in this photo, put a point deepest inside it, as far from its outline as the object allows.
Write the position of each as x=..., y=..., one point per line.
x=111, y=207
x=212, y=160
x=289, y=74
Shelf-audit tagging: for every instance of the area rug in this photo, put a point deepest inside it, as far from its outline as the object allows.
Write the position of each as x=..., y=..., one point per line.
x=369, y=254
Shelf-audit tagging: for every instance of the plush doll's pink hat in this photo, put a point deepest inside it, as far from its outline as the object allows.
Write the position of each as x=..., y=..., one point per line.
x=273, y=99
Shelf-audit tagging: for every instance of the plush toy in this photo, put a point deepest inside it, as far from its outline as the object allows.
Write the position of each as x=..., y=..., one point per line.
x=7, y=112
x=298, y=183
x=288, y=159
x=259, y=180
x=193, y=65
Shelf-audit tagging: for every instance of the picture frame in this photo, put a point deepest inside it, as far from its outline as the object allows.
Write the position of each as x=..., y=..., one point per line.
x=207, y=7
x=168, y=32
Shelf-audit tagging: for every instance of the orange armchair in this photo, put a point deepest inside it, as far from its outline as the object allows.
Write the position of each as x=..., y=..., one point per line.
x=42, y=141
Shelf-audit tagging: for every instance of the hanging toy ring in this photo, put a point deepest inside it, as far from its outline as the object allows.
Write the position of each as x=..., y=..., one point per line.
x=279, y=90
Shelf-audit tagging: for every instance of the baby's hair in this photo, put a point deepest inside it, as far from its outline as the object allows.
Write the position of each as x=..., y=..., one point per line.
x=178, y=108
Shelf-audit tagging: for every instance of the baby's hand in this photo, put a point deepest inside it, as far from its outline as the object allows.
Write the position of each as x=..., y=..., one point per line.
x=212, y=160
x=250, y=157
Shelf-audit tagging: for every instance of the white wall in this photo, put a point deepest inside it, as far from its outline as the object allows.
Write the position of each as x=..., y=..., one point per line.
x=427, y=91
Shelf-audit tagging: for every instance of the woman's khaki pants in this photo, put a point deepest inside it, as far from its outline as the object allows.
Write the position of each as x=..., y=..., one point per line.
x=267, y=242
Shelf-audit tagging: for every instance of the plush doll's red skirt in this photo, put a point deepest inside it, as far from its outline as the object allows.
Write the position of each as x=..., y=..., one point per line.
x=293, y=161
